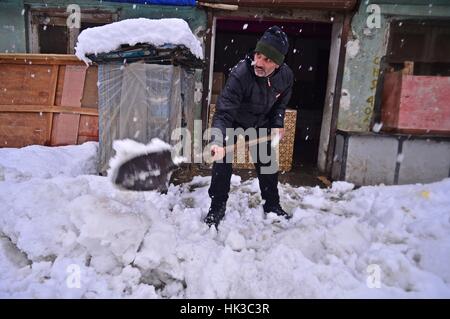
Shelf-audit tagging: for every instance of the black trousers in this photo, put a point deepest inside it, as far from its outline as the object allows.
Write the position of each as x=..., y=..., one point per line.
x=268, y=183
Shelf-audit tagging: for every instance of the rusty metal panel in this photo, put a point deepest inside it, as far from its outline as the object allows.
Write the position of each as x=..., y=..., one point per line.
x=298, y=4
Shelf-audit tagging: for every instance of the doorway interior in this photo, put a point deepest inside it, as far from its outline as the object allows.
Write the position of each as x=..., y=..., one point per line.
x=308, y=57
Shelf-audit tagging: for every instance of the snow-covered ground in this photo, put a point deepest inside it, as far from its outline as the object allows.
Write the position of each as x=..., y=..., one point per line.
x=67, y=234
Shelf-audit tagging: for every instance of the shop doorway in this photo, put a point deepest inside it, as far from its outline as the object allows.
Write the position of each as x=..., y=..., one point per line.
x=308, y=57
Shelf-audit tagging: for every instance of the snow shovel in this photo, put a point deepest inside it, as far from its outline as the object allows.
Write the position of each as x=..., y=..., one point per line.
x=140, y=167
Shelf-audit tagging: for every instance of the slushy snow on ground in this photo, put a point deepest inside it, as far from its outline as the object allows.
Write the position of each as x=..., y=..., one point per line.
x=158, y=32
x=66, y=232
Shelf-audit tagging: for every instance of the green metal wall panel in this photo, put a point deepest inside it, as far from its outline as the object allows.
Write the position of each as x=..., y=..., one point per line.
x=12, y=27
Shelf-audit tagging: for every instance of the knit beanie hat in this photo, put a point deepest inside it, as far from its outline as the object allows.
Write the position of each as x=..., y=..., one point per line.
x=273, y=44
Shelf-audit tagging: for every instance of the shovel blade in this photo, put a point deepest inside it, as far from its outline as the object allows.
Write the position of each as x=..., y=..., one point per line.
x=146, y=172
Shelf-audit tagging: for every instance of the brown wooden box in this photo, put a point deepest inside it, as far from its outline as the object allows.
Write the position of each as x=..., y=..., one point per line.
x=218, y=82
x=47, y=99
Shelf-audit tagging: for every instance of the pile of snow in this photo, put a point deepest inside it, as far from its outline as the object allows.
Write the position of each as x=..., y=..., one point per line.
x=45, y=162
x=80, y=237
x=111, y=36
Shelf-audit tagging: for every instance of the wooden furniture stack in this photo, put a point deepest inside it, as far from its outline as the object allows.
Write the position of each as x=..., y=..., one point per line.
x=47, y=99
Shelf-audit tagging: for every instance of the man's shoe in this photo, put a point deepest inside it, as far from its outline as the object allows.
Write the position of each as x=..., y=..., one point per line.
x=276, y=209
x=215, y=214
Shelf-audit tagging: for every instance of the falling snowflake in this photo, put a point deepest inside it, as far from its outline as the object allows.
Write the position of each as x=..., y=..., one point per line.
x=310, y=68
x=295, y=50
x=400, y=158
x=377, y=127
x=32, y=75
x=245, y=26
x=134, y=6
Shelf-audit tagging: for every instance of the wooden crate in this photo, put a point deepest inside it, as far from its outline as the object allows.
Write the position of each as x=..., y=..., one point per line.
x=47, y=99
x=218, y=82
x=286, y=146
x=416, y=104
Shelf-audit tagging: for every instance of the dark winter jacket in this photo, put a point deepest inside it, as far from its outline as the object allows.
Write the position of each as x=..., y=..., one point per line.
x=251, y=101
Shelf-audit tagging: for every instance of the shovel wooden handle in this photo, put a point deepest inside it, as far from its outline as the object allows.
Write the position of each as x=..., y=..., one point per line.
x=230, y=148
x=263, y=139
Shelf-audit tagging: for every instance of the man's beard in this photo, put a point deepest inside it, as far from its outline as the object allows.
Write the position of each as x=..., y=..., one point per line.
x=260, y=72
